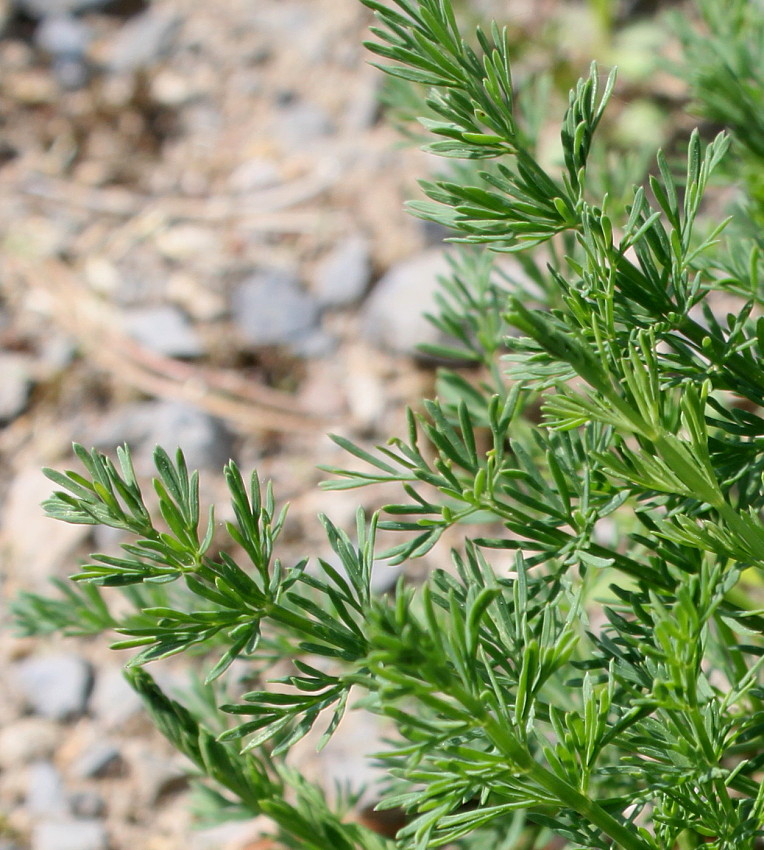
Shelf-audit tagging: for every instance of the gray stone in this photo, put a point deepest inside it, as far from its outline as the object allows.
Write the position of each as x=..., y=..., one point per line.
x=393, y=317
x=15, y=384
x=101, y=759
x=343, y=275
x=63, y=35
x=45, y=790
x=70, y=835
x=271, y=308
x=143, y=40
x=164, y=330
x=171, y=424
x=55, y=686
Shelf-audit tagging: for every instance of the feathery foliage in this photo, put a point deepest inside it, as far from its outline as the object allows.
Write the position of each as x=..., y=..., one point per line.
x=591, y=666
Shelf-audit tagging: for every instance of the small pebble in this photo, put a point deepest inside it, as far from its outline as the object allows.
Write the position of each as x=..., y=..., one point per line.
x=45, y=793
x=343, y=276
x=184, y=242
x=164, y=330
x=55, y=686
x=63, y=35
x=393, y=317
x=271, y=308
x=15, y=385
x=171, y=424
x=66, y=39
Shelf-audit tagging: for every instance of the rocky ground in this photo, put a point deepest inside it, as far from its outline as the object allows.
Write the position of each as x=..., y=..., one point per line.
x=202, y=244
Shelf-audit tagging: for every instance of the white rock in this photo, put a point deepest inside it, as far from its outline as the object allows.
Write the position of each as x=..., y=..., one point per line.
x=195, y=297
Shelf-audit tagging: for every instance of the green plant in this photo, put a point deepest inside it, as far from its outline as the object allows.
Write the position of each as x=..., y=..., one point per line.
x=591, y=667
x=721, y=62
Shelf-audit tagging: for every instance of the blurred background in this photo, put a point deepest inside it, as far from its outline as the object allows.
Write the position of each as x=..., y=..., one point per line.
x=203, y=244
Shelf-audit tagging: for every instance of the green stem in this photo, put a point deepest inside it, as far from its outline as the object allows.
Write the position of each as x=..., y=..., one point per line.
x=568, y=796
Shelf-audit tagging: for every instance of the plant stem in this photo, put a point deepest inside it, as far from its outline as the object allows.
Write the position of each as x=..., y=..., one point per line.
x=569, y=797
